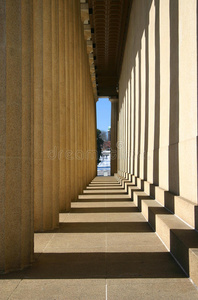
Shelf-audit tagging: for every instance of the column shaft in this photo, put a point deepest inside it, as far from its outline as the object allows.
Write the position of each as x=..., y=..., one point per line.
x=55, y=111
x=16, y=226
x=67, y=117
x=76, y=50
x=114, y=120
x=72, y=104
x=38, y=113
x=62, y=105
x=46, y=111
x=47, y=116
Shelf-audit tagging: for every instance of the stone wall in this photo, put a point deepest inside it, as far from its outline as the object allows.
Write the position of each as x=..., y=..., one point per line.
x=157, y=134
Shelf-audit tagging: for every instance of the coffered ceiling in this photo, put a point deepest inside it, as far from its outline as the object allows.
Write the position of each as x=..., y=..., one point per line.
x=109, y=22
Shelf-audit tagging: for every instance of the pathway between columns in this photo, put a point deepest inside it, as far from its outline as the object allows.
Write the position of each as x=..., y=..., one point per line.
x=104, y=249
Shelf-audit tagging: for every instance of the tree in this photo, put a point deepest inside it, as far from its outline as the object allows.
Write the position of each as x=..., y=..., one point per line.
x=99, y=145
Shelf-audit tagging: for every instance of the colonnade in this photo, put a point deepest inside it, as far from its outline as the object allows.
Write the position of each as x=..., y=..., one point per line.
x=48, y=120
x=157, y=127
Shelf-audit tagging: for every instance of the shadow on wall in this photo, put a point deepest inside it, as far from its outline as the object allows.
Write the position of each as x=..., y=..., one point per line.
x=157, y=95
x=135, y=77
x=134, y=153
x=174, y=99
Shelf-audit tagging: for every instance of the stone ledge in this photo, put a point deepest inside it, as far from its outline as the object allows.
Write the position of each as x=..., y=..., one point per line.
x=186, y=210
x=173, y=218
x=181, y=207
x=193, y=255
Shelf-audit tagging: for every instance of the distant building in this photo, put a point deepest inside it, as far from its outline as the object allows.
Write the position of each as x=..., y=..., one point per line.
x=106, y=145
x=109, y=133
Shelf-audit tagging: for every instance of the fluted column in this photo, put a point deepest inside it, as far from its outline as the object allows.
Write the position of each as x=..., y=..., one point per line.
x=77, y=96
x=185, y=106
x=72, y=104
x=62, y=105
x=114, y=121
x=67, y=203
x=151, y=94
x=84, y=119
x=80, y=153
x=47, y=116
x=16, y=222
x=46, y=141
x=38, y=113
x=55, y=111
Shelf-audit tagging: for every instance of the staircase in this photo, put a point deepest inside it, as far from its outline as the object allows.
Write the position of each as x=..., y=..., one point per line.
x=114, y=244
x=173, y=218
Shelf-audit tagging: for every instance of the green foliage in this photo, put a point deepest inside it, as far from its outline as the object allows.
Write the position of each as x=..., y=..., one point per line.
x=99, y=145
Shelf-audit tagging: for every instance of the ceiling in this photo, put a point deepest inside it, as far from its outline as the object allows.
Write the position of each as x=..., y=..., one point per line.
x=109, y=20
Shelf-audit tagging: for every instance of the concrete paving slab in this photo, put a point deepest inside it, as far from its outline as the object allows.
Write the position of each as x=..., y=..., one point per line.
x=103, y=249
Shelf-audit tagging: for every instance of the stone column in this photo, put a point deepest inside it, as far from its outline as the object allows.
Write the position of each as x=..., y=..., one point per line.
x=143, y=125
x=86, y=122
x=129, y=121
x=67, y=204
x=82, y=109
x=92, y=136
x=16, y=222
x=47, y=116
x=186, y=104
x=137, y=117
x=151, y=93
x=62, y=105
x=80, y=116
x=132, y=122
x=114, y=123
x=72, y=104
x=94, y=169
x=55, y=111
x=120, y=139
x=77, y=96
x=45, y=86
x=38, y=113
x=84, y=119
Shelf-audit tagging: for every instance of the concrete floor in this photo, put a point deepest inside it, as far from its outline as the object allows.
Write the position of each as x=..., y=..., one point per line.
x=104, y=249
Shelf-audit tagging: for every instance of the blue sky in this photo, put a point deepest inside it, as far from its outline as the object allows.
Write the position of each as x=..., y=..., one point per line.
x=103, y=110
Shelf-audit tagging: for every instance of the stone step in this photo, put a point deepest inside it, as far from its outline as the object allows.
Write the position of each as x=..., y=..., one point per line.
x=178, y=237
x=108, y=179
x=193, y=255
x=138, y=196
x=102, y=182
x=103, y=197
x=120, y=191
x=174, y=219
x=149, y=207
x=106, y=184
x=103, y=187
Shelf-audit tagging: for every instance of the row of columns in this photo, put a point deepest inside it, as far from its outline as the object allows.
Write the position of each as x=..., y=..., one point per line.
x=48, y=121
x=157, y=129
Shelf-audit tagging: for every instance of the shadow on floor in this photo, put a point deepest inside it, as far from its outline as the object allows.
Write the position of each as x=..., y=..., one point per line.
x=104, y=200
x=103, y=227
x=101, y=265
x=82, y=210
